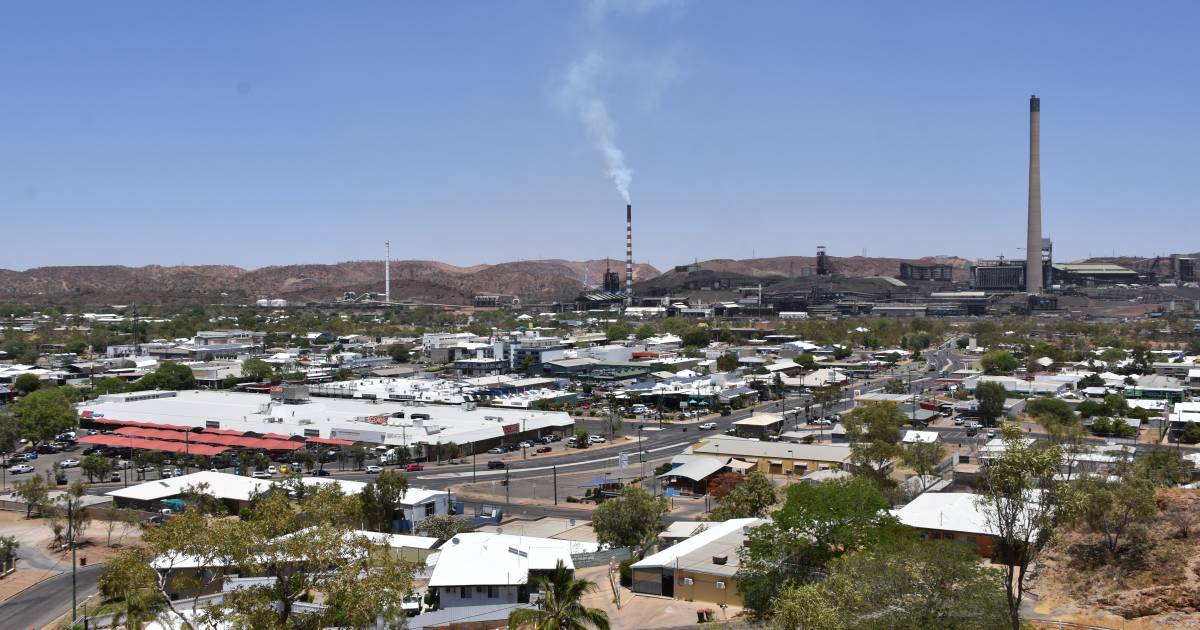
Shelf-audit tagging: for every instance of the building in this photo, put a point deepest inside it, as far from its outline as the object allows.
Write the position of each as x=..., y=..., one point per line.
x=1092, y=274
x=956, y=516
x=776, y=458
x=484, y=568
x=1181, y=415
x=942, y=273
x=691, y=473
x=759, y=425
x=699, y=568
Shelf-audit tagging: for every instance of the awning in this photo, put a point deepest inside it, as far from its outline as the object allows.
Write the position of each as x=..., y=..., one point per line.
x=116, y=441
x=776, y=462
x=330, y=441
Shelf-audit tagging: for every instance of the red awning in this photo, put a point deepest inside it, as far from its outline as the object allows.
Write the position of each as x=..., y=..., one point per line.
x=225, y=432
x=330, y=441
x=205, y=438
x=134, y=423
x=120, y=441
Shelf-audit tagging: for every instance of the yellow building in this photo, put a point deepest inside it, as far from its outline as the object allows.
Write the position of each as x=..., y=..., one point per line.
x=699, y=568
x=776, y=458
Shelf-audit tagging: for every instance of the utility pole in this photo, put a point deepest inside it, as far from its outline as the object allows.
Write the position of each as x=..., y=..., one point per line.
x=555, y=469
x=71, y=539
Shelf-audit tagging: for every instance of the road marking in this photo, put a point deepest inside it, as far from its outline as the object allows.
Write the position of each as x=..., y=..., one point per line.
x=487, y=472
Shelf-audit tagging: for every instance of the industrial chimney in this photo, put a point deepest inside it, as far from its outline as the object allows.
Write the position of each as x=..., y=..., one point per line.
x=387, y=272
x=1033, y=241
x=629, y=254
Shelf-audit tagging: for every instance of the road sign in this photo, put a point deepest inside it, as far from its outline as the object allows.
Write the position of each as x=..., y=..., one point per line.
x=623, y=460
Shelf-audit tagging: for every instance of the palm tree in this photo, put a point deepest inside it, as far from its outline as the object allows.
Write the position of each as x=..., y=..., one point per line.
x=561, y=607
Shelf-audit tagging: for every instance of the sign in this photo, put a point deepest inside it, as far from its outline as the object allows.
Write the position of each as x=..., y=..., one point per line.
x=509, y=429
x=623, y=460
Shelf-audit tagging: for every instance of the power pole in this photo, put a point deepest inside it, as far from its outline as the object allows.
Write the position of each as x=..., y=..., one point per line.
x=555, y=469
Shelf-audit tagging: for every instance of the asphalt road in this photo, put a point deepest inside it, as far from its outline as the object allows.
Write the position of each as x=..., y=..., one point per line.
x=38, y=606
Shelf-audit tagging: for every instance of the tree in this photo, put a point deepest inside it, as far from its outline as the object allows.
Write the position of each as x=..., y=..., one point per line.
x=873, y=431
x=617, y=331
x=45, y=413
x=815, y=524
x=27, y=384
x=1091, y=380
x=443, y=526
x=1117, y=510
x=108, y=385
x=911, y=585
x=309, y=547
x=69, y=506
x=754, y=497
x=128, y=579
x=991, y=397
x=1051, y=411
x=724, y=483
x=1112, y=355
x=633, y=519
x=399, y=353
x=1162, y=467
x=381, y=499
x=1022, y=502
x=924, y=458
x=806, y=361
x=169, y=375
x=35, y=492
x=1181, y=508
x=95, y=467
x=998, y=362
x=1116, y=404
x=561, y=606
x=895, y=386
x=1190, y=433
x=841, y=352
x=645, y=331
x=727, y=362
x=257, y=370
x=1091, y=409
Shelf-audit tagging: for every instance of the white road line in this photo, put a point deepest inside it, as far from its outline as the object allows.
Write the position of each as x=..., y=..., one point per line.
x=484, y=473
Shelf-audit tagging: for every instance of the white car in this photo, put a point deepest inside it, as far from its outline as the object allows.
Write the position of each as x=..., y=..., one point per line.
x=596, y=439
x=526, y=444
x=708, y=426
x=272, y=469
x=373, y=470
x=69, y=463
x=21, y=468
x=260, y=474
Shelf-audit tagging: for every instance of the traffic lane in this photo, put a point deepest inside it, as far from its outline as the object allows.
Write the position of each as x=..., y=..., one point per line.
x=41, y=604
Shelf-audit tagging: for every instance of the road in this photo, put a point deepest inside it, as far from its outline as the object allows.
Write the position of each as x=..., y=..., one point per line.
x=38, y=606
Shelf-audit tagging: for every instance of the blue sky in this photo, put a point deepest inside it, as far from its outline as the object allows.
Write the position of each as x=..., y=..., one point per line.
x=283, y=132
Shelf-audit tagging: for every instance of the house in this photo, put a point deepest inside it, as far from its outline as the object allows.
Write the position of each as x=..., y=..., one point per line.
x=698, y=568
x=759, y=425
x=491, y=569
x=954, y=516
x=777, y=458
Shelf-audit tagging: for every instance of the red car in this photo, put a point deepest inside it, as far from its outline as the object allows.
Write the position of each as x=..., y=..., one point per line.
x=414, y=468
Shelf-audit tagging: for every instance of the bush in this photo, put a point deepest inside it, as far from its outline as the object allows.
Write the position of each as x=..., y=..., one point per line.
x=626, y=568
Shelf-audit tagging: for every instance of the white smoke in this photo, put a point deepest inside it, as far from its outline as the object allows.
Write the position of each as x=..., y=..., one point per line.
x=580, y=95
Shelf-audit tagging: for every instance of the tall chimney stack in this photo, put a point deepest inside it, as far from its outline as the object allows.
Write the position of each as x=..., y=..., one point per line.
x=1033, y=241
x=387, y=272
x=629, y=254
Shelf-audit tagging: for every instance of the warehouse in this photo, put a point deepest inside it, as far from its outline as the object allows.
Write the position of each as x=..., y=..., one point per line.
x=391, y=423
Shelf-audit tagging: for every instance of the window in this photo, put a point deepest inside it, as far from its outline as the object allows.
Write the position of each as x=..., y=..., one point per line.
x=464, y=592
x=430, y=508
x=493, y=592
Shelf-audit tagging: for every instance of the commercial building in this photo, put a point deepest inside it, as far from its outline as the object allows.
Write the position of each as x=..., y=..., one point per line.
x=369, y=420
x=777, y=458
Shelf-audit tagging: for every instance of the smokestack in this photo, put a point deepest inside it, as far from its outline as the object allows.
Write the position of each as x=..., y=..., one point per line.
x=387, y=272
x=629, y=254
x=1033, y=240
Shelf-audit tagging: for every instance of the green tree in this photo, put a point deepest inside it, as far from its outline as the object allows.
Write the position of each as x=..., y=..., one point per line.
x=257, y=370
x=815, y=524
x=633, y=519
x=129, y=581
x=1190, y=433
x=1112, y=355
x=696, y=337
x=923, y=458
x=1117, y=511
x=1116, y=404
x=895, y=386
x=95, y=467
x=841, y=352
x=45, y=413
x=1051, y=411
x=1091, y=380
x=381, y=499
x=753, y=497
x=617, y=331
x=806, y=361
x=873, y=431
x=443, y=526
x=399, y=353
x=999, y=362
x=108, y=385
x=169, y=376
x=35, y=493
x=645, y=331
x=911, y=585
x=727, y=362
x=1022, y=501
x=27, y=383
x=991, y=397
x=561, y=606
x=1162, y=467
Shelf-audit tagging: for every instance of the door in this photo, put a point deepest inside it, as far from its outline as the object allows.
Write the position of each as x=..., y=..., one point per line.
x=668, y=583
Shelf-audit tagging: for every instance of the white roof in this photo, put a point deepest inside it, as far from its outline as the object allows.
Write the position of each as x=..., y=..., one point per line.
x=927, y=437
x=697, y=468
x=715, y=531
x=478, y=559
x=946, y=511
x=219, y=485
x=683, y=529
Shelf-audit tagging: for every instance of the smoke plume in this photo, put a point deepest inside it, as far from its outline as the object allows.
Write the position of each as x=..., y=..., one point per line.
x=580, y=95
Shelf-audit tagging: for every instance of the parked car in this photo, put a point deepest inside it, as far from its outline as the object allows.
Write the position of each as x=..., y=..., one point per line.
x=411, y=604
x=374, y=470
x=496, y=450
x=18, y=469
x=543, y=449
x=414, y=468
x=30, y=456
x=260, y=474
x=272, y=470
x=596, y=439
x=69, y=463
x=495, y=463
x=707, y=426
x=958, y=422
x=48, y=449
x=525, y=444
x=114, y=476
x=92, y=450
x=321, y=472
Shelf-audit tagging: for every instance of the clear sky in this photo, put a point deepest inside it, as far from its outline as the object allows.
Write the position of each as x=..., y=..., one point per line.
x=257, y=133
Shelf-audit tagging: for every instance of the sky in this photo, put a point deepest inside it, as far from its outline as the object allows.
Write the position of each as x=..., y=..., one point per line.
x=259, y=133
